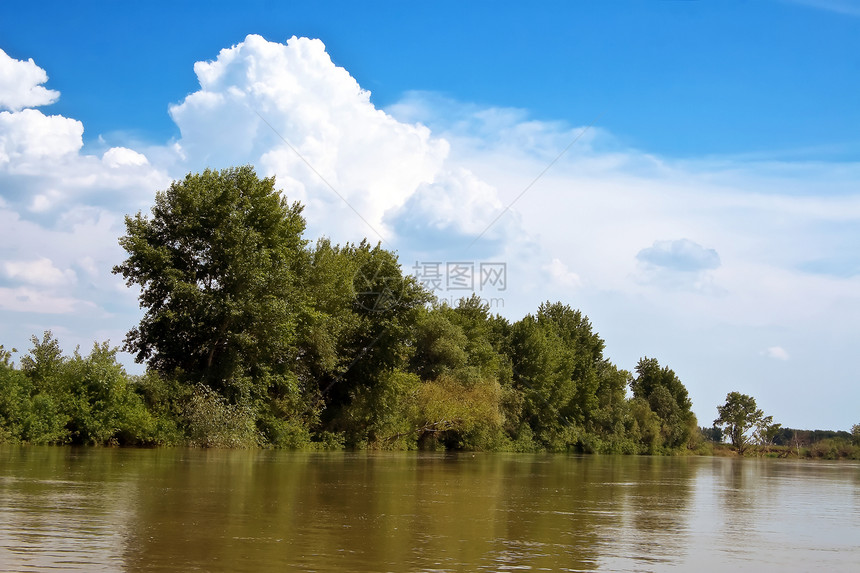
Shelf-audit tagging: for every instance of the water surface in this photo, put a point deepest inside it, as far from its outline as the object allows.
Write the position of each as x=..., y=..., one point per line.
x=71, y=509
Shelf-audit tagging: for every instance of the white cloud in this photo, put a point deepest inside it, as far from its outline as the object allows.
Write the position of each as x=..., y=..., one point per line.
x=449, y=214
x=776, y=352
x=21, y=84
x=45, y=201
x=38, y=272
x=60, y=215
x=336, y=136
x=29, y=136
x=119, y=156
x=562, y=275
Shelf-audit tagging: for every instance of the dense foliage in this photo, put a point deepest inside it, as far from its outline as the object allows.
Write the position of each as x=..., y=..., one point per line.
x=255, y=337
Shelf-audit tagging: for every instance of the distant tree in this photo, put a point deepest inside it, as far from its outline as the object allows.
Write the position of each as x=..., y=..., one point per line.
x=667, y=397
x=713, y=434
x=766, y=431
x=737, y=416
x=855, y=434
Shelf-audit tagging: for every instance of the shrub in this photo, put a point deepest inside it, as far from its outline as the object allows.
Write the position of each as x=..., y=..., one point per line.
x=212, y=422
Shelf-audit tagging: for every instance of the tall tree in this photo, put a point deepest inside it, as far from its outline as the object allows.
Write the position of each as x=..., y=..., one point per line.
x=218, y=264
x=739, y=415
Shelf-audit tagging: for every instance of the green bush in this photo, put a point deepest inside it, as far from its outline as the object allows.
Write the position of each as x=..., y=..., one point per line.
x=212, y=422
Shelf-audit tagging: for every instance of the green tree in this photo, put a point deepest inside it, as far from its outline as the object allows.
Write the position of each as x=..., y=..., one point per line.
x=557, y=361
x=712, y=434
x=219, y=264
x=737, y=416
x=667, y=397
x=543, y=375
x=6, y=357
x=360, y=336
x=44, y=361
x=440, y=345
x=766, y=431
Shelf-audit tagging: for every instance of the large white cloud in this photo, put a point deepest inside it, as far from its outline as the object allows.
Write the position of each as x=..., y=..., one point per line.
x=21, y=84
x=287, y=109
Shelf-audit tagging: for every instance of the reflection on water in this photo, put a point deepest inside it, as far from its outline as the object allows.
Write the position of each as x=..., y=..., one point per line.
x=211, y=510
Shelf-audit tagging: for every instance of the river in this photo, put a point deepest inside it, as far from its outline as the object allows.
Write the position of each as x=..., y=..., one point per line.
x=87, y=509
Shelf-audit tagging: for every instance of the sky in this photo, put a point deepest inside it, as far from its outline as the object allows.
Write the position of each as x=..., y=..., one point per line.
x=685, y=173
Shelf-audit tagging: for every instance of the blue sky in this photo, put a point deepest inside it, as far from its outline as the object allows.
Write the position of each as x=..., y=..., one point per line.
x=683, y=78
x=708, y=218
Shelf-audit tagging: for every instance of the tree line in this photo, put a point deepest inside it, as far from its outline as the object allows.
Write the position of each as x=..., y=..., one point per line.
x=254, y=336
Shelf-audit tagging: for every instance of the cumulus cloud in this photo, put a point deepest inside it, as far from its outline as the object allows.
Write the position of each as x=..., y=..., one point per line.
x=29, y=137
x=287, y=109
x=21, y=84
x=449, y=213
x=43, y=166
x=119, y=156
x=43, y=202
x=680, y=255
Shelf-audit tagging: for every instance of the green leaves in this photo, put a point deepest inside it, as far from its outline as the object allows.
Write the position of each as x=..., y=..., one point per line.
x=739, y=415
x=56, y=399
x=666, y=396
x=219, y=264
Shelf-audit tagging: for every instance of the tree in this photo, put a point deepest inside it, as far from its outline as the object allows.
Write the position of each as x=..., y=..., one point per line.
x=738, y=415
x=766, y=431
x=713, y=434
x=667, y=397
x=219, y=264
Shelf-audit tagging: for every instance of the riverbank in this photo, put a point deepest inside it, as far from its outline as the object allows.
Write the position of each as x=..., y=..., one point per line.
x=828, y=449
